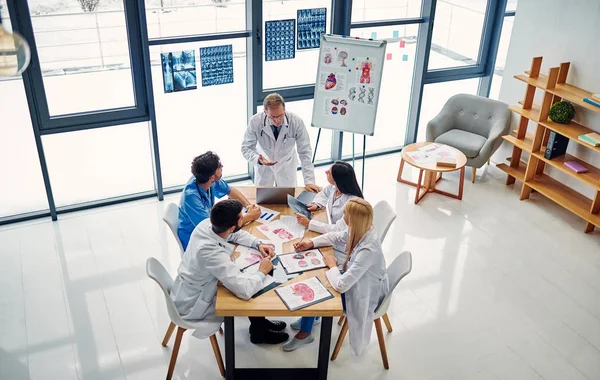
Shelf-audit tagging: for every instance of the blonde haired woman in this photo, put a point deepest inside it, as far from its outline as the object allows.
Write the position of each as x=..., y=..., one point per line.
x=363, y=280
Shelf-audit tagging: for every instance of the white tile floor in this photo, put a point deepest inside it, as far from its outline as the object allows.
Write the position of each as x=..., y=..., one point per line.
x=500, y=289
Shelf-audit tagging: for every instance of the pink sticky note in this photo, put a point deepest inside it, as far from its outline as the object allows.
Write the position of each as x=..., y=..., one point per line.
x=388, y=56
x=402, y=43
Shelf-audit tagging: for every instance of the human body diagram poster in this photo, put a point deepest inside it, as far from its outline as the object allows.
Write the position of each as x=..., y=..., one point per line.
x=303, y=293
x=348, y=80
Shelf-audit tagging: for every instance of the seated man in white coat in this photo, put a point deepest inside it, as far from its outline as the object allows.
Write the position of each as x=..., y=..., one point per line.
x=270, y=145
x=207, y=260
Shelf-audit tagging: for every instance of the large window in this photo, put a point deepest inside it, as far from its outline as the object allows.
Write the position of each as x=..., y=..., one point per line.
x=84, y=56
x=99, y=163
x=374, y=10
x=501, y=57
x=457, y=33
x=212, y=117
x=396, y=84
x=302, y=69
x=172, y=18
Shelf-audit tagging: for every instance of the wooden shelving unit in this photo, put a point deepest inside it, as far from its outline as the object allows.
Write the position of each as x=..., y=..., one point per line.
x=531, y=172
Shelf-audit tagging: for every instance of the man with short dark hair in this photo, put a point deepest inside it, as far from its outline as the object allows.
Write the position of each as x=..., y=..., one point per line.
x=199, y=194
x=207, y=260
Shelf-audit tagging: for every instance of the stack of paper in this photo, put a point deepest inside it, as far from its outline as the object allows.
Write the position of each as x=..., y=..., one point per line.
x=277, y=231
x=591, y=138
x=291, y=222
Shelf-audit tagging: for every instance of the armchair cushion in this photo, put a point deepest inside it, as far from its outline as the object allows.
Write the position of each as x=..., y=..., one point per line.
x=468, y=143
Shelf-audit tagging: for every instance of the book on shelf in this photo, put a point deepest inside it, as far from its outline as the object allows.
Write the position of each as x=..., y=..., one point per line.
x=592, y=102
x=576, y=166
x=592, y=138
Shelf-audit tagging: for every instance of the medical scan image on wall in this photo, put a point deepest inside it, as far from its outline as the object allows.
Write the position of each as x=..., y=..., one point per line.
x=179, y=71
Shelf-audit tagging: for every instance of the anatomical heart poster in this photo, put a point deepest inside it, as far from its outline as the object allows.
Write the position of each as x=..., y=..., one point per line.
x=303, y=293
x=302, y=261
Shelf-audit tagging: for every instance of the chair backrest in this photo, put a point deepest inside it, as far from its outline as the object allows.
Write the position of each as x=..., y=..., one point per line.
x=476, y=114
x=383, y=217
x=397, y=270
x=171, y=217
x=156, y=271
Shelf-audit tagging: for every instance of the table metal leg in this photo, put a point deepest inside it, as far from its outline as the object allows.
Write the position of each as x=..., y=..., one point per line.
x=229, y=349
x=324, y=345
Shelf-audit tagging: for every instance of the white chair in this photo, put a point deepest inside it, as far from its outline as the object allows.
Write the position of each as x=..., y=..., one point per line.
x=158, y=273
x=171, y=217
x=397, y=270
x=383, y=217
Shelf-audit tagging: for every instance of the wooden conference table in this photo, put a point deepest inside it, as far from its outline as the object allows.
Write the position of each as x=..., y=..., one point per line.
x=270, y=305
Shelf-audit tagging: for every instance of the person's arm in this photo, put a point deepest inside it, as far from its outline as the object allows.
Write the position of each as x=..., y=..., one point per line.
x=324, y=228
x=331, y=239
x=343, y=282
x=244, y=238
x=243, y=285
x=236, y=194
x=305, y=153
x=249, y=145
x=322, y=196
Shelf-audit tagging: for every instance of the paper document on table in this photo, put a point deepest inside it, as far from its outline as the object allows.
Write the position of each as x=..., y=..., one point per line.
x=244, y=257
x=276, y=244
x=429, y=148
x=291, y=222
x=278, y=231
x=303, y=293
x=420, y=157
x=267, y=215
x=302, y=261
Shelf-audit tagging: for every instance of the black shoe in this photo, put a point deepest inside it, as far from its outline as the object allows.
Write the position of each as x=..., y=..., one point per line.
x=275, y=325
x=268, y=337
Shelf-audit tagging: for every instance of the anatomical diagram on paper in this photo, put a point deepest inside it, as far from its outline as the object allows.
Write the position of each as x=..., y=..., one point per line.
x=244, y=257
x=332, y=81
x=302, y=261
x=336, y=106
x=303, y=293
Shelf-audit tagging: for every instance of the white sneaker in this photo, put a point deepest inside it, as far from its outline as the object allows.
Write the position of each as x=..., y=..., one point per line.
x=296, y=324
x=296, y=343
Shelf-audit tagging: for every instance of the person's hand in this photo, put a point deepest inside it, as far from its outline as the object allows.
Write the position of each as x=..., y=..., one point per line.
x=330, y=261
x=313, y=207
x=302, y=220
x=312, y=188
x=304, y=245
x=265, y=161
x=265, y=266
x=253, y=212
x=266, y=250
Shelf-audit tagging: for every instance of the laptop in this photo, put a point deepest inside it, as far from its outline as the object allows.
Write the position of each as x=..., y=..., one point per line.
x=306, y=197
x=298, y=207
x=273, y=195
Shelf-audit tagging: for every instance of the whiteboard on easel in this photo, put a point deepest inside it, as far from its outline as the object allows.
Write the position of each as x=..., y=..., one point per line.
x=348, y=82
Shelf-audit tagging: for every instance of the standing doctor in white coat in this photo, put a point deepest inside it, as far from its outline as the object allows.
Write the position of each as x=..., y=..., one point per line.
x=363, y=280
x=270, y=145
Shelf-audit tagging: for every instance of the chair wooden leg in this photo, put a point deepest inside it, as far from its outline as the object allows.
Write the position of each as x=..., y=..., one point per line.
x=217, y=351
x=168, y=334
x=387, y=322
x=381, y=343
x=341, y=321
x=473, y=174
x=340, y=340
x=180, y=331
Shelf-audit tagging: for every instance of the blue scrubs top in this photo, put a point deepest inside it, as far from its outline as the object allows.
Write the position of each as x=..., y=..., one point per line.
x=195, y=206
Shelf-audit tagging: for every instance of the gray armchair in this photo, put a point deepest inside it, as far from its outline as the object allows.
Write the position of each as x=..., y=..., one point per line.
x=473, y=125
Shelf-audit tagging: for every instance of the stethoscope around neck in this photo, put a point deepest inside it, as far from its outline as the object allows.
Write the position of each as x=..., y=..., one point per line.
x=287, y=121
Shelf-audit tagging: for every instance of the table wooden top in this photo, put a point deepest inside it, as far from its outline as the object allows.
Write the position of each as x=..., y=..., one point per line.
x=461, y=159
x=269, y=304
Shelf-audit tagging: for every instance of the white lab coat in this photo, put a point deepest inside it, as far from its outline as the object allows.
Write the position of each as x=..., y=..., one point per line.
x=365, y=283
x=335, y=209
x=207, y=260
x=259, y=139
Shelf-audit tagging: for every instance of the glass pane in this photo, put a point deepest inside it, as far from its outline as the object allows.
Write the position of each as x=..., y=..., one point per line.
x=171, y=18
x=435, y=96
x=302, y=69
x=84, y=55
x=501, y=57
x=396, y=85
x=22, y=188
x=511, y=5
x=304, y=109
x=191, y=122
x=373, y=10
x=457, y=33
x=99, y=163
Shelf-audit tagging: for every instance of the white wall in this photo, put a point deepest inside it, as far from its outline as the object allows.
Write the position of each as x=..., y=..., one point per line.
x=559, y=31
